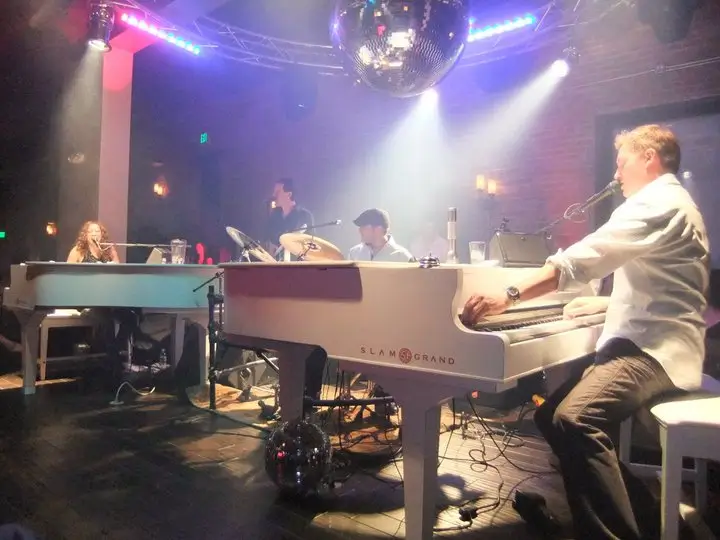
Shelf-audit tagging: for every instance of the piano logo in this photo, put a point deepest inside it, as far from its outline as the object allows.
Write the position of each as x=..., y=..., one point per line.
x=406, y=356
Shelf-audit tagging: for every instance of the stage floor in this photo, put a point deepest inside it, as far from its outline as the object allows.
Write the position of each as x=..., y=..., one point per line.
x=73, y=467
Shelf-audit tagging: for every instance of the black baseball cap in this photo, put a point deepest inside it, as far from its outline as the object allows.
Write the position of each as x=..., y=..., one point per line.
x=373, y=217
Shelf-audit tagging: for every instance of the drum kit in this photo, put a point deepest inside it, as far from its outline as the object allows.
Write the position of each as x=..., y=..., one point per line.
x=303, y=246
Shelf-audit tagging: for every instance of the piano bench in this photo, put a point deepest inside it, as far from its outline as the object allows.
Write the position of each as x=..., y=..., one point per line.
x=689, y=427
x=65, y=318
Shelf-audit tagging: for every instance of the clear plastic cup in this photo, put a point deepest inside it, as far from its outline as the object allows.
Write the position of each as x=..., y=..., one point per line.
x=177, y=251
x=477, y=252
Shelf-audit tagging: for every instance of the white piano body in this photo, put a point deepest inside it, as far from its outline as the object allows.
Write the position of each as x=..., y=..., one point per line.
x=38, y=288
x=399, y=324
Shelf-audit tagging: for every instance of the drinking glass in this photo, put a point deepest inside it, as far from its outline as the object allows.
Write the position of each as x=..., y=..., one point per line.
x=477, y=252
x=177, y=251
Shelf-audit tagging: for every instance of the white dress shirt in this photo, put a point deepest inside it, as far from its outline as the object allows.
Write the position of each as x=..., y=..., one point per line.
x=390, y=252
x=657, y=246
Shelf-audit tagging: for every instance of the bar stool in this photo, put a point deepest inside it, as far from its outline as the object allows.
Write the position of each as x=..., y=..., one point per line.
x=689, y=427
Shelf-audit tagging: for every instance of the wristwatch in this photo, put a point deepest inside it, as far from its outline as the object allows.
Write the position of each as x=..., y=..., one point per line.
x=513, y=294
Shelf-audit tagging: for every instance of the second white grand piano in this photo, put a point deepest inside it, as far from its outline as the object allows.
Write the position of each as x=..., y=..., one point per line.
x=399, y=324
x=38, y=288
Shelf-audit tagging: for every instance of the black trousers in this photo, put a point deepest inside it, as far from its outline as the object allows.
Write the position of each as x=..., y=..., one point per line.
x=577, y=420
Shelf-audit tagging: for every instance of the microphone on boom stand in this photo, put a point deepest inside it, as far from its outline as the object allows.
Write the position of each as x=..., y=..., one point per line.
x=592, y=201
x=319, y=226
x=574, y=210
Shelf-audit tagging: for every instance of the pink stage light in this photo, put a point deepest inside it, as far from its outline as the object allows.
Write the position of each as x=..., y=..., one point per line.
x=141, y=24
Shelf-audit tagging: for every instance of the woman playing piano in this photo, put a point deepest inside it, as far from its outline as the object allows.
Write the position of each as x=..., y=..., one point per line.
x=89, y=248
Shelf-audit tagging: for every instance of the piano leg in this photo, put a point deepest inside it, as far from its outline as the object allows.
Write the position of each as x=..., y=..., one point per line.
x=177, y=339
x=420, y=413
x=292, y=380
x=420, y=428
x=30, y=328
x=200, y=319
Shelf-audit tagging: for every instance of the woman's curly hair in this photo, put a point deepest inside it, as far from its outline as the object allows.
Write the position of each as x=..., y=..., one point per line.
x=83, y=246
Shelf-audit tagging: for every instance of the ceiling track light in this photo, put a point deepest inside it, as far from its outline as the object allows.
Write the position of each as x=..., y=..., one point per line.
x=572, y=55
x=100, y=25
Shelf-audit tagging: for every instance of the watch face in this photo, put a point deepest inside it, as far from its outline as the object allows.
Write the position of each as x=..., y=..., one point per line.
x=513, y=293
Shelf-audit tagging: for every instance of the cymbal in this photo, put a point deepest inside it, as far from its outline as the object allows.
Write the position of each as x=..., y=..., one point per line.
x=245, y=242
x=310, y=248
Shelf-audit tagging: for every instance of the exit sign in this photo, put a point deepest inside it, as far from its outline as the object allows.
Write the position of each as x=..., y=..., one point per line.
x=2, y=235
x=203, y=138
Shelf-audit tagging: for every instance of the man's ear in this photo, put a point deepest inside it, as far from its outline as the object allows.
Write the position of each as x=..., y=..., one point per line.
x=650, y=154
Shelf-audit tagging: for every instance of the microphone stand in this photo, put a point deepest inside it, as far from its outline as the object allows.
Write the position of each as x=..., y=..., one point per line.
x=126, y=244
x=320, y=226
x=577, y=209
x=301, y=257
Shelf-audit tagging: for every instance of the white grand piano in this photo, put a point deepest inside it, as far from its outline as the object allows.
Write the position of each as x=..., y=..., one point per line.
x=38, y=288
x=399, y=324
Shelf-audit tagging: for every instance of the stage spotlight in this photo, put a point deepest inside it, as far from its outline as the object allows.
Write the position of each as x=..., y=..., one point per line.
x=429, y=96
x=561, y=67
x=100, y=25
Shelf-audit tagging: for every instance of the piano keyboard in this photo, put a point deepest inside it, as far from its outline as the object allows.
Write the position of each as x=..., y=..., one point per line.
x=513, y=320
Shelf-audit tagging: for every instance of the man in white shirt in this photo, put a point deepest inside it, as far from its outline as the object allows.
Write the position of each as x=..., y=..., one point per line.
x=652, y=345
x=376, y=243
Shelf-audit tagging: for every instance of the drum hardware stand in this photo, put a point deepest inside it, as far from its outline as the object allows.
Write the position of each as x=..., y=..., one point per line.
x=308, y=247
x=245, y=255
x=214, y=329
x=268, y=412
x=215, y=337
x=344, y=402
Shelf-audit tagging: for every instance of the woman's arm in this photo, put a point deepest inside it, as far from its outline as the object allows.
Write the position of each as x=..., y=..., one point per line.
x=74, y=256
x=114, y=255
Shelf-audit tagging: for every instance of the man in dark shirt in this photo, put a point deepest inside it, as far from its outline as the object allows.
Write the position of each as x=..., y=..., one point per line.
x=287, y=216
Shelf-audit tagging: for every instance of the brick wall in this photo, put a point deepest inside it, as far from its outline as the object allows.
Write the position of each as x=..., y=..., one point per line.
x=549, y=163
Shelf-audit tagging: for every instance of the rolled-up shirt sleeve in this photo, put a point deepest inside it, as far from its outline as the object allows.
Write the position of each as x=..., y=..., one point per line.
x=635, y=228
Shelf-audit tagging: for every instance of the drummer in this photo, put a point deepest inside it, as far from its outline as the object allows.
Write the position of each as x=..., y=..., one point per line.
x=287, y=216
x=376, y=242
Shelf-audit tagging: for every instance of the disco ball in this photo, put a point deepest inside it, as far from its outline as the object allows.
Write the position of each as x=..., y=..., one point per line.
x=298, y=458
x=400, y=47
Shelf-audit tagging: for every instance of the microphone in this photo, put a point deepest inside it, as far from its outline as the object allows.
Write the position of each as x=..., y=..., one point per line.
x=97, y=243
x=320, y=226
x=452, y=257
x=575, y=209
x=599, y=196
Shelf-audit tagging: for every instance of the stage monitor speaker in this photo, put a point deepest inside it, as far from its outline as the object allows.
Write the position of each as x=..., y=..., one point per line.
x=517, y=250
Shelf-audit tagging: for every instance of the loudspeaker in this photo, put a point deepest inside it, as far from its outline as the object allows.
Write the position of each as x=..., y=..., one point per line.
x=517, y=250
x=670, y=19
